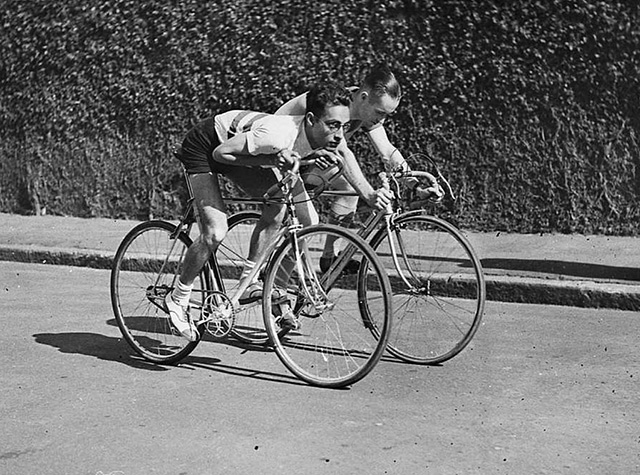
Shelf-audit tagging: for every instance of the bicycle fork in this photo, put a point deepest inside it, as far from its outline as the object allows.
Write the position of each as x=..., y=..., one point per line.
x=312, y=290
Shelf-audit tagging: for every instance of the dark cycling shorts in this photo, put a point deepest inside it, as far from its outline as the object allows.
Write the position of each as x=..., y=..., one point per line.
x=197, y=150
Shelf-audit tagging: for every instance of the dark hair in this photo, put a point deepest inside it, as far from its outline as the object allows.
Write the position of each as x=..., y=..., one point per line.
x=326, y=94
x=381, y=81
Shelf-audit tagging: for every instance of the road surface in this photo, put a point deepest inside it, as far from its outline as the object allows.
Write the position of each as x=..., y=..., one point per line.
x=541, y=389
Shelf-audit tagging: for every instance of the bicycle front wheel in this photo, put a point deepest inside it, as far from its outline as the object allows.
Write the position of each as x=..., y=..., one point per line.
x=437, y=284
x=146, y=267
x=330, y=344
x=231, y=256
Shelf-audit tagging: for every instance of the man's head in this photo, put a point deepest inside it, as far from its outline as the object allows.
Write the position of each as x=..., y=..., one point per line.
x=327, y=113
x=378, y=97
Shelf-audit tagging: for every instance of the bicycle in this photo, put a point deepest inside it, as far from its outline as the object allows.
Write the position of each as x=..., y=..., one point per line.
x=332, y=347
x=436, y=276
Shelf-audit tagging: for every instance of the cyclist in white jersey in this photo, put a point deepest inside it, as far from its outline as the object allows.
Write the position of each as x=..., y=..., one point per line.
x=371, y=103
x=238, y=144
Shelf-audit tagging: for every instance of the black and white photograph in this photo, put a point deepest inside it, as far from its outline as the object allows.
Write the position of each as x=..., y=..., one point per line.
x=342, y=237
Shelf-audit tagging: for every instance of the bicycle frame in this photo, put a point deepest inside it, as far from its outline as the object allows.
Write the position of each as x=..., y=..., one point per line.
x=437, y=304
x=392, y=240
x=289, y=231
x=369, y=227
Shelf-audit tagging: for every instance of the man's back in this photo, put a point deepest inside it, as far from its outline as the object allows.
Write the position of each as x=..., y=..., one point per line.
x=266, y=133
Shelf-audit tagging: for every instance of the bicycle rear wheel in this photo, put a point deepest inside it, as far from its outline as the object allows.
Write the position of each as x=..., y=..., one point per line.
x=438, y=293
x=231, y=256
x=145, y=270
x=334, y=345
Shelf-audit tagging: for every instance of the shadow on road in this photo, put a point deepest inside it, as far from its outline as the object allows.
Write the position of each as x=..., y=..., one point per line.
x=213, y=364
x=109, y=348
x=576, y=269
x=99, y=346
x=390, y=359
x=115, y=349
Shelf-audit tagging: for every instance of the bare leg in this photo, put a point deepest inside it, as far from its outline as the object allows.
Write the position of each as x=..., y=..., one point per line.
x=255, y=182
x=213, y=224
x=266, y=229
x=213, y=227
x=343, y=209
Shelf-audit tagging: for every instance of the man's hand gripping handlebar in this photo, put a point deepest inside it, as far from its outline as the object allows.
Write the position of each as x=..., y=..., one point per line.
x=290, y=163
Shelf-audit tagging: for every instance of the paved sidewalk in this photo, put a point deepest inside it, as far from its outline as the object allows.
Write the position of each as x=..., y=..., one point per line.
x=576, y=270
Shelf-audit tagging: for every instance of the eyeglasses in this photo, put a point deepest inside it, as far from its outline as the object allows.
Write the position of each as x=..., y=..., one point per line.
x=335, y=125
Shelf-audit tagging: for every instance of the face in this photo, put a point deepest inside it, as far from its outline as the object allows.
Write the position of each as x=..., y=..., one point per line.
x=327, y=131
x=373, y=109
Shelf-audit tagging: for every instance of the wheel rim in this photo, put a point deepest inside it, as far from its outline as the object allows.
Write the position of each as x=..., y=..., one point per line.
x=332, y=347
x=439, y=304
x=144, y=273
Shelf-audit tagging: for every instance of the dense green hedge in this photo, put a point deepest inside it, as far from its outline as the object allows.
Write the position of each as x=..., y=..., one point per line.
x=530, y=106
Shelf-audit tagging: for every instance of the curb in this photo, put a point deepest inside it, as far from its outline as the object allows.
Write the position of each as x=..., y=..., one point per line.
x=569, y=293
x=57, y=257
x=572, y=293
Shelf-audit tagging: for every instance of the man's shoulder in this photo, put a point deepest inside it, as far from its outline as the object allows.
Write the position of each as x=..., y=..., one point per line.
x=245, y=120
x=273, y=133
x=284, y=123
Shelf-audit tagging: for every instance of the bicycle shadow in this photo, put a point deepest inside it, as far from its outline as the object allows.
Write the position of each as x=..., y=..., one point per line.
x=388, y=358
x=115, y=349
x=266, y=348
x=210, y=339
x=216, y=365
x=99, y=346
x=213, y=364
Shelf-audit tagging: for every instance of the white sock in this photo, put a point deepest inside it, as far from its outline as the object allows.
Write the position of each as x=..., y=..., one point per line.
x=182, y=293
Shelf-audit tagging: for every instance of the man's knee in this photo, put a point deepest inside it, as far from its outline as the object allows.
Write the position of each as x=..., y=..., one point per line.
x=210, y=209
x=344, y=205
x=307, y=214
x=272, y=215
x=341, y=219
x=212, y=234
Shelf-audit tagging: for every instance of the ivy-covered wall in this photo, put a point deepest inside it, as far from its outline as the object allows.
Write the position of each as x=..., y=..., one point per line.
x=531, y=107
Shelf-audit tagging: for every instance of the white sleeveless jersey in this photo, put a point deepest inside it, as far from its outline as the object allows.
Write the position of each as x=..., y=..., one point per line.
x=266, y=134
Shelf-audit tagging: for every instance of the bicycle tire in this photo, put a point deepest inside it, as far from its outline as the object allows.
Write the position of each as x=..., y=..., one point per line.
x=144, y=270
x=332, y=348
x=438, y=313
x=231, y=256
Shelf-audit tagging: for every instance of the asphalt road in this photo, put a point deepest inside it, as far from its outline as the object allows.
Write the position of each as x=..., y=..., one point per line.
x=541, y=389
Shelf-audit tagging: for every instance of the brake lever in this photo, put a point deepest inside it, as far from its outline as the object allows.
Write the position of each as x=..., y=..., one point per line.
x=444, y=183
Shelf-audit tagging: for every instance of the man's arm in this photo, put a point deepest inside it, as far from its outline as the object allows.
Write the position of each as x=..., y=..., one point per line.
x=353, y=173
x=394, y=161
x=236, y=151
x=390, y=155
x=266, y=144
